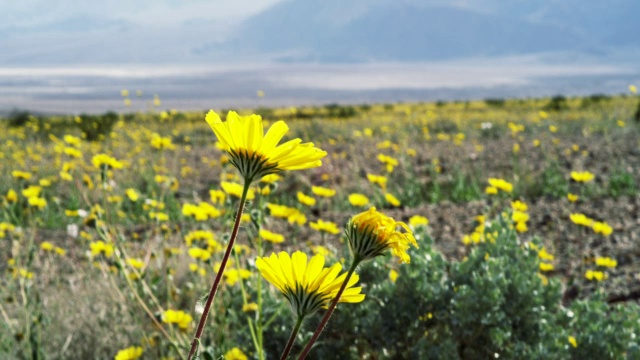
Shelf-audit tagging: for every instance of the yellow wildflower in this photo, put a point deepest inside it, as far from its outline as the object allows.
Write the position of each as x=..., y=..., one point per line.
x=371, y=233
x=256, y=154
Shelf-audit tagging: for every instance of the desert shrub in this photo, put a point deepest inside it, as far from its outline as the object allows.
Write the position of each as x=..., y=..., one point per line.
x=622, y=182
x=19, y=118
x=495, y=102
x=340, y=111
x=493, y=303
x=594, y=100
x=557, y=103
x=95, y=127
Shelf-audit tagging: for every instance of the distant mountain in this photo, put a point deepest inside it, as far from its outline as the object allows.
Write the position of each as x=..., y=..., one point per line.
x=410, y=30
x=333, y=31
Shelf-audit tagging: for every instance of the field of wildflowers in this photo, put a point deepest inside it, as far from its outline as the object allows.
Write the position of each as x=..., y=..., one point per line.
x=461, y=230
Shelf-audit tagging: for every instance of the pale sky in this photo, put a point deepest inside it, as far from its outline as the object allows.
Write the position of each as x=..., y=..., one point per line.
x=31, y=13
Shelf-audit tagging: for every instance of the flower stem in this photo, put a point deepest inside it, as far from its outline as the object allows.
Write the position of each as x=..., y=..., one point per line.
x=216, y=283
x=292, y=339
x=327, y=315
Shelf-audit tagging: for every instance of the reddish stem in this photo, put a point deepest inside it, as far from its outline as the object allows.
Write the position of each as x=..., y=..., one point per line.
x=216, y=283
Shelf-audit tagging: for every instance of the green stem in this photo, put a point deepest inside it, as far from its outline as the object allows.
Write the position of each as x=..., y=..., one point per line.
x=216, y=283
x=327, y=315
x=292, y=339
x=259, y=324
x=252, y=330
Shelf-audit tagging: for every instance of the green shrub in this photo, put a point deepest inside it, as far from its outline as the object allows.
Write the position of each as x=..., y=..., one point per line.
x=557, y=103
x=498, y=103
x=19, y=118
x=95, y=127
x=492, y=304
x=622, y=182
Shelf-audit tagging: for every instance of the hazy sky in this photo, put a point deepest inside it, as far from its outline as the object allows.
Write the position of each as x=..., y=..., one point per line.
x=29, y=13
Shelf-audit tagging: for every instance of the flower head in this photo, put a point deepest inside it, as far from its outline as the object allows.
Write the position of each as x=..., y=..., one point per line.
x=371, y=233
x=130, y=353
x=104, y=161
x=582, y=176
x=307, y=285
x=358, y=200
x=235, y=354
x=256, y=154
x=501, y=184
x=179, y=317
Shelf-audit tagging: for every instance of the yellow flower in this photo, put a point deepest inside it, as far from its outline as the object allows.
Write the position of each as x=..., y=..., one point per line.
x=293, y=215
x=519, y=206
x=132, y=194
x=201, y=212
x=572, y=197
x=218, y=196
x=199, y=235
x=323, y=192
x=235, y=189
x=270, y=236
x=250, y=307
x=392, y=199
x=46, y=246
x=72, y=152
x=544, y=255
x=633, y=89
x=198, y=253
x=177, y=317
x=602, y=228
x=232, y=276
x=417, y=220
x=321, y=250
x=21, y=175
x=235, y=353
x=162, y=143
x=31, y=191
x=11, y=196
x=371, y=233
x=306, y=200
x=582, y=177
x=501, y=184
x=490, y=190
x=519, y=216
x=326, y=226
x=595, y=275
x=522, y=227
x=606, y=262
x=546, y=267
x=572, y=341
x=376, y=179
x=307, y=286
x=389, y=161
x=581, y=219
x=72, y=140
x=135, y=263
x=553, y=129
x=38, y=202
x=393, y=275
x=256, y=154
x=101, y=161
x=100, y=247
x=130, y=353
x=65, y=176
x=358, y=200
